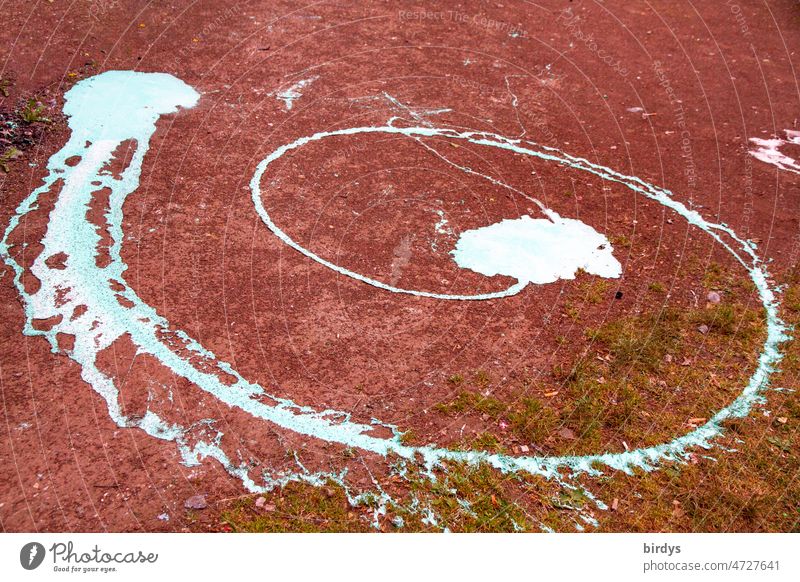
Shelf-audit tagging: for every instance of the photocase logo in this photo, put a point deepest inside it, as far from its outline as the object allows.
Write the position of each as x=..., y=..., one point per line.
x=31, y=555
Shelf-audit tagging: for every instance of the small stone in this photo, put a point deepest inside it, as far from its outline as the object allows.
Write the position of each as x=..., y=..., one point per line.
x=260, y=502
x=668, y=358
x=782, y=419
x=703, y=329
x=164, y=517
x=615, y=504
x=524, y=448
x=713, y=297
x=196, y=502
x=566, y=433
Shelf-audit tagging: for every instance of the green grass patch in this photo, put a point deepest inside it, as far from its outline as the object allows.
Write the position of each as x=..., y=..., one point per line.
x=11, y=153
x=641, y=342
x=33, y=112
x=471, y=401
x=298, y=507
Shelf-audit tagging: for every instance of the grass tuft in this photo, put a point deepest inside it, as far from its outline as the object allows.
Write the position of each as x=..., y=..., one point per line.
x=33, y=112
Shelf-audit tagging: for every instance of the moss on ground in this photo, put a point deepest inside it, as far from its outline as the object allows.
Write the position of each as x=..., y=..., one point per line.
x=298, y=507
x=640, y=380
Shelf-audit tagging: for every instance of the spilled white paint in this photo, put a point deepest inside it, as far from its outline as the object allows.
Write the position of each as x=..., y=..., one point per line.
x=442, y=225
x=116, y=106
x=769, y=151
x=289, y=94
x=442, y=228
x=592, y=257
x=537, y=250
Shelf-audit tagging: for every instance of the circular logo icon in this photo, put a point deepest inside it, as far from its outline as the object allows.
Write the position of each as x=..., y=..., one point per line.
x=31, y=555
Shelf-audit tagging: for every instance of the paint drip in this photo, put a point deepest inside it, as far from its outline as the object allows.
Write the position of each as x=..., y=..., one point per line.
x=289, y=94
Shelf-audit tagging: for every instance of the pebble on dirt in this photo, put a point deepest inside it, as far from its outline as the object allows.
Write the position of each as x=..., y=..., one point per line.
x=566, y=433
x=196, y=502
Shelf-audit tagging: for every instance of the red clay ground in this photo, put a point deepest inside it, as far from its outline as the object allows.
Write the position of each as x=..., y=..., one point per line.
x=650, y=76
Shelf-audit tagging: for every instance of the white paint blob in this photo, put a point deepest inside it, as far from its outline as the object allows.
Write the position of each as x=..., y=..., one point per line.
x=769, y=151
x=120, y=105
x=537, y=250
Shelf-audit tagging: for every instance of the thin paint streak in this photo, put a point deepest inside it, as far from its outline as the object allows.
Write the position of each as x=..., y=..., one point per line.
x=416, y=114
x=289, y=94
x=99, y=122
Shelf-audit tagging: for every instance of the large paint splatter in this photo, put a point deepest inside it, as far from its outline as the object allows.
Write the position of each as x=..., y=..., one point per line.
x=96, y=305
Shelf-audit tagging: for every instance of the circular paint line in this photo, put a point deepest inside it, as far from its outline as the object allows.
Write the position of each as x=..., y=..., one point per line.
x=571, y=241
x=99, y=124
x=644, y=458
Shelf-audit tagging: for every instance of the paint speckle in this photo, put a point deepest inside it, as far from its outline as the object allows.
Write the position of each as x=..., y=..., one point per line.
x=289, y=94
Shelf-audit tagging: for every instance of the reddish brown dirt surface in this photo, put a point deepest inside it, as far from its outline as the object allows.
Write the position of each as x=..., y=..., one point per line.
x=650, y=77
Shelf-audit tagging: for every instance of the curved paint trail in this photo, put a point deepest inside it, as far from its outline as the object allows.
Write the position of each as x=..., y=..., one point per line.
x=96, y=306
x=546, y=249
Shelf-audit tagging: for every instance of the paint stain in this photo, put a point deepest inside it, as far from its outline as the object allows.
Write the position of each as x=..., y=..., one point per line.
x=769, y=151
x=289, y=94
x=537, y=250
